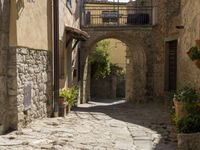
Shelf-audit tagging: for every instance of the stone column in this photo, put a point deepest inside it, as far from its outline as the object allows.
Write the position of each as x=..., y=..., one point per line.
x=129, y=75
x=86, y=82
x=84, y=74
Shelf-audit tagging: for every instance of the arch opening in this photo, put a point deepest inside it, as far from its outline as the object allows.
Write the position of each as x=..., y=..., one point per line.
x=108, y=79
x=135, y=69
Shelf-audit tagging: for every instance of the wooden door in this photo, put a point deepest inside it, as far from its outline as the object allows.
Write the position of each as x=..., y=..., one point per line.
x=171, y=65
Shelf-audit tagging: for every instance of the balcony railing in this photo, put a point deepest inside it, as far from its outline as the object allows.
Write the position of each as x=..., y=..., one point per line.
x=98, y=15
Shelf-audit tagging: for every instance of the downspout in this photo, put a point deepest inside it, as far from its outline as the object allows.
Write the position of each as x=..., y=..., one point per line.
x=56, y=56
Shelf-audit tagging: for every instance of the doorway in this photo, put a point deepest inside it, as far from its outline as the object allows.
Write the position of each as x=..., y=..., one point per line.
x=171, y=66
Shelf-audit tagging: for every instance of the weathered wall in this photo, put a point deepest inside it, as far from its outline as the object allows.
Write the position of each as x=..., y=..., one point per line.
x=140, y=62
x=25, y=52
x=188, y=73
x=4, y=44
x=28, y=67
x=69, y=16
x=167, y=18
x=117, y=50
x=167, y=15
x=176, y=13
x=30, y=24
x=104, y=88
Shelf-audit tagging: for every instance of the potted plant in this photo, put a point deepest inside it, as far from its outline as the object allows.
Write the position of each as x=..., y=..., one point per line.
x=188, y=125
x=183, y=100
x=71, y=97
x=189, y=132
x=62, y=102
x=62, y=95
x=198, y=43
x=194, y=54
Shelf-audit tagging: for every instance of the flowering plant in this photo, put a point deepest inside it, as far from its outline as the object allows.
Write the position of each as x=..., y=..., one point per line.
x=70, y=95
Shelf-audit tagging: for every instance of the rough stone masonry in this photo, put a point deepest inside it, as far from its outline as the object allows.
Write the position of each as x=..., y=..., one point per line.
x=28, y=89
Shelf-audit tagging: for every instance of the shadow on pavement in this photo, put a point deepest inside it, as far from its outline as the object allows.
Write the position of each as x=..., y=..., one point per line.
x=152, y=115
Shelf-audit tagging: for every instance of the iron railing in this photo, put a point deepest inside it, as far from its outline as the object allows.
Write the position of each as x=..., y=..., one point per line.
x=116, y=14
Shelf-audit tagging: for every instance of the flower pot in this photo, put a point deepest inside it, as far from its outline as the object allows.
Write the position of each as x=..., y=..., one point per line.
x=198, y=43
x=189, y=141
x=68, y=109
x=197, y=63
x=180, y=113
x=62, y=110
x=61, y=100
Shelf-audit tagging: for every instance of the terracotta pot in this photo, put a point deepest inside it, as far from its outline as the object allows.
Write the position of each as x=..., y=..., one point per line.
x=62, y=110
x=68, y=109
x=198, y=43
x=180, y=113
x=61, y=100
x=197, y=63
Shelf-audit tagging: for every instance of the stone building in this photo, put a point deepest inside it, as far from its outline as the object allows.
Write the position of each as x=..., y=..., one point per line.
x=157, y=52
x=183, y=28
x=26, y=52
x=136, y=32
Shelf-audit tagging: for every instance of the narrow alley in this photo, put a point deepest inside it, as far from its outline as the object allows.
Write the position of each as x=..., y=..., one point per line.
x=105, y=124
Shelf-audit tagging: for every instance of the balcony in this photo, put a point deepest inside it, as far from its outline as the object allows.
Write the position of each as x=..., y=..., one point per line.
x=113, y=14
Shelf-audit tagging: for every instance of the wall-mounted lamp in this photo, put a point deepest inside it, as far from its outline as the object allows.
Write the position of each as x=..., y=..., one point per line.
x=180, y=27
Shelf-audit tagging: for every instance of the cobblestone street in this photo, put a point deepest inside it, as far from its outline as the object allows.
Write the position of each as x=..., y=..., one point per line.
x=111, y=125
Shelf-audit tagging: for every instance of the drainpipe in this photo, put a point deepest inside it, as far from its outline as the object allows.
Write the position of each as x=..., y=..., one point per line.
x=56, y=56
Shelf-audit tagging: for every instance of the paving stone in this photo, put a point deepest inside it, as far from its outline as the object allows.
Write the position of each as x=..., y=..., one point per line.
x=98, y=127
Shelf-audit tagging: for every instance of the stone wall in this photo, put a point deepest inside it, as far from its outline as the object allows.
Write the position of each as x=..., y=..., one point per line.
x=176, y=13
x=28, y=67
x=168, y=18
x=142, y=81
x=170, y=14
x=4, y=44
x=188, y=73
x=104, y=87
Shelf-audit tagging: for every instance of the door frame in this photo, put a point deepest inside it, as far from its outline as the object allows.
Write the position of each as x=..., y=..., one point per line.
x=166, y=81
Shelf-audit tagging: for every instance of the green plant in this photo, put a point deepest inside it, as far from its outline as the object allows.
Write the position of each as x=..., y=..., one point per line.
x=63, y=92
x=116, y=70
x=100, y=60
x=188, y=124
x=187, y=95
x=194, y=53
x=70, y=95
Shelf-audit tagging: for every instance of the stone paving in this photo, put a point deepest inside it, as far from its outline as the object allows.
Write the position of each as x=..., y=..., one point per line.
x=106, y=125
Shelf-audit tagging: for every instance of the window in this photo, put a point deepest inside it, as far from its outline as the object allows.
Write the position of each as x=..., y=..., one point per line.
x=69, y=3
x=110, y=16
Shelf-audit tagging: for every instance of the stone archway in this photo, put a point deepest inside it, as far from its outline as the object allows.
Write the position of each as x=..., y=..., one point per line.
x=138, y=54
